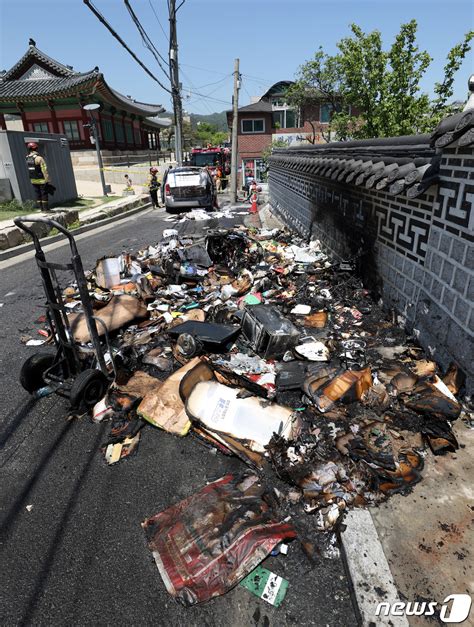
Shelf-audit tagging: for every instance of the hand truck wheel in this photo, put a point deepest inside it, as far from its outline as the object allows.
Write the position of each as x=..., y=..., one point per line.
x=88, y=388
x=32, y=371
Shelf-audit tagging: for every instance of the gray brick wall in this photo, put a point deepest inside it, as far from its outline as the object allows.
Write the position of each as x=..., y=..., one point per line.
x=416, y=254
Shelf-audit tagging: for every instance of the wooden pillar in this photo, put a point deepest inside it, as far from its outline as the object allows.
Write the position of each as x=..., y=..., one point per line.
x=85, y=120
x=112, y=117
x=134, y=117
x=158, y=142
x=23, y=115
x=53, y=117
x=3, y=124
x=124, y=115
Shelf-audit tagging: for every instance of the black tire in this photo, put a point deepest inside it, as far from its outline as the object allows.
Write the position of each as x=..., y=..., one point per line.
x=88, y=388
x=32, y=371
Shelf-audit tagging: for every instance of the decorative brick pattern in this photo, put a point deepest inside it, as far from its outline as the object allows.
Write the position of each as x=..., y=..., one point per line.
x=416, y=254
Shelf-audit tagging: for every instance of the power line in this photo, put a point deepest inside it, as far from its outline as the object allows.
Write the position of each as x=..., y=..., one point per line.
x=195, y=93
x=207, y=84
x=195, y=67
x=209, y=98
x=194, y=88
x=158, y=20
x=146, y=39
x=102, y=19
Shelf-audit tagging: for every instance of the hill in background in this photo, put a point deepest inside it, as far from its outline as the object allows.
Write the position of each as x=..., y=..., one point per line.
x=216, y=119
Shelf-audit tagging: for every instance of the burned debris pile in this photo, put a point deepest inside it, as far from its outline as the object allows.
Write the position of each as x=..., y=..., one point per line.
x=260, y=346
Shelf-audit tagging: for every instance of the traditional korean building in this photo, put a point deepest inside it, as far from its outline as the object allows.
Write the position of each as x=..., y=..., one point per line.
x=50, y=96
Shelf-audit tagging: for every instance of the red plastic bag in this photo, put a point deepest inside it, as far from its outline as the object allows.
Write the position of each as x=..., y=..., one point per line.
x=207, y=543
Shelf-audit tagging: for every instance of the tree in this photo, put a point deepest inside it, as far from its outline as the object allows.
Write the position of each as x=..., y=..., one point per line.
x=206, y=133
x=320, y=79
x=374, y=92
x=276, y=143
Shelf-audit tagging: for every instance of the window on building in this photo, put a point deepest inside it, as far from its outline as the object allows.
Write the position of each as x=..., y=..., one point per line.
x=152, y=141
x=129, y=133
x=71, y=130
x=325, y=112
x=41, y=127
x=253, y=170
x=138, y=139
x=108, y=130
x=253, y=126
x=285, y=118
x=119, y=134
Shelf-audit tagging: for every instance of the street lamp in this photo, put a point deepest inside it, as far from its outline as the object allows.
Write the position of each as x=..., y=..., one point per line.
x=93, y=126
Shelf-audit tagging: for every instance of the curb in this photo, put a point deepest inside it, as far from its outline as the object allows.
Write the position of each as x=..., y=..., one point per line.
x=24, y=248
x=368, y=570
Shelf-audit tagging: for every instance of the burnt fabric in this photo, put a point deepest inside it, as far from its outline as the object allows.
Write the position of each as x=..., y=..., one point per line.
x=205, y=544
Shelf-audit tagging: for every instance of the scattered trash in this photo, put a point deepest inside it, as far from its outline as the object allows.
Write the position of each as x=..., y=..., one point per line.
x=268, y=332
x=266, y=585
x=29, y=508
x=35, y=342
x=312, y=350
x=120, y=450
x=301, y=310
x=257, y=345
x=108, y=272
x=119, y=311
x=219, y=409
x=163, y=406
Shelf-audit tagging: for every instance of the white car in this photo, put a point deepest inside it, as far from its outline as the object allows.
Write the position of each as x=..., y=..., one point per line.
x=188, y=187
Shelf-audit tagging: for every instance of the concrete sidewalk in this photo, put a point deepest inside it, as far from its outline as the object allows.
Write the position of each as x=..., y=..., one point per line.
x=11, y=236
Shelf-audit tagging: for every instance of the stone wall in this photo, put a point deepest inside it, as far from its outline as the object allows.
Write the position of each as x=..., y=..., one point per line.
x=416, y=253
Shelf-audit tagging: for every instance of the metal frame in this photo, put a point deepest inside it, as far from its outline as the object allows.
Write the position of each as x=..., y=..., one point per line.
x=67, y=356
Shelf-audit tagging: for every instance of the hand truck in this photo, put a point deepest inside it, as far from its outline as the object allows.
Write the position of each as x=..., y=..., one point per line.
x=73, y=372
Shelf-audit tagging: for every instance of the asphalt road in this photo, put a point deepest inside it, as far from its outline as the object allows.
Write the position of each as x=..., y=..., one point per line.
x=72, y=549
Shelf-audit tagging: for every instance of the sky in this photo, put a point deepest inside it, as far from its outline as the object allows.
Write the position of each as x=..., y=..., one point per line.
x=272, y=38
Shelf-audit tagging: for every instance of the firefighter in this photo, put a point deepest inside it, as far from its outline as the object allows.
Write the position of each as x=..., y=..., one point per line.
x=153, y=186
x=38, y=172
x=218, y=179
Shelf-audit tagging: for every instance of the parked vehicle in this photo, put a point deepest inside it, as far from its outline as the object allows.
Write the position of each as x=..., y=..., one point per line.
x=187, y=187
x=213, y=157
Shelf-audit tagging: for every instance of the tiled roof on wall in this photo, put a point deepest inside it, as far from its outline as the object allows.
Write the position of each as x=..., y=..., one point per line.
x=399, y=165
x=406, y=164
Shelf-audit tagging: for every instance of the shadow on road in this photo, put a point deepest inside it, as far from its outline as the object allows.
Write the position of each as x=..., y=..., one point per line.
x=19, y=414
x=34, y=477
x=62, y=527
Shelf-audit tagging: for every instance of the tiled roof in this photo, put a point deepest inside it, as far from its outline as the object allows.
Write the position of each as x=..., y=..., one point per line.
x=67, y=82
x=36, y=54
x=260, y=106
x=407, y=164
x=458, y=127
x=32, y=89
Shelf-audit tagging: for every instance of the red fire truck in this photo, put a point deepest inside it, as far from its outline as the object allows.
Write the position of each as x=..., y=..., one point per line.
x=212, y=156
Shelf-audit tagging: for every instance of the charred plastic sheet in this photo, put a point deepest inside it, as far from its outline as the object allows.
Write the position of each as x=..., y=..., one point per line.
x=204, y=545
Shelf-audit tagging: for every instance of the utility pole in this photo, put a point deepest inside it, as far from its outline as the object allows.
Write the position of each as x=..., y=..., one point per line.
x=90, y=108
x=235, y=122
x=175, y=87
